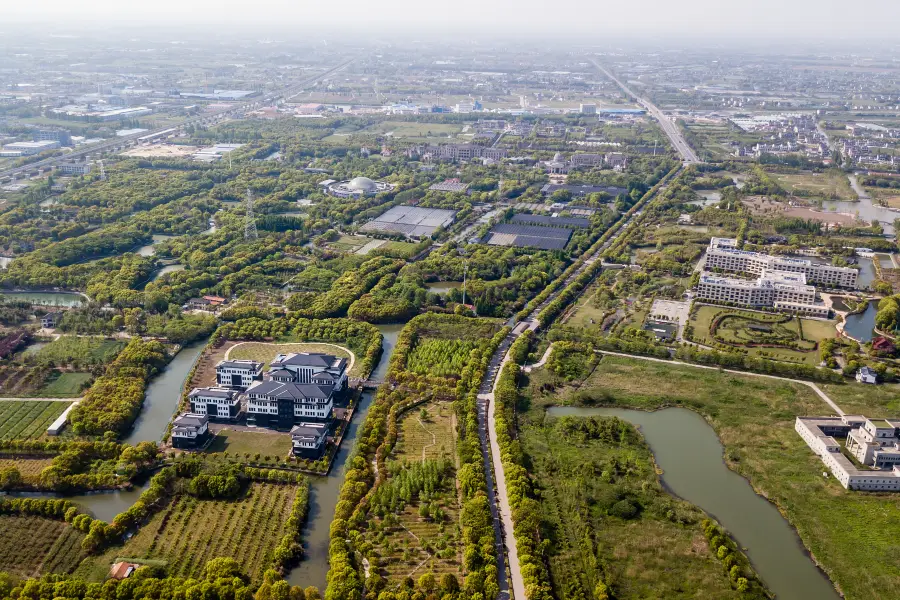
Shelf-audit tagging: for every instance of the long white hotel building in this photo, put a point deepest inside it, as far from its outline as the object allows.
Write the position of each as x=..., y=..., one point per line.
x=723, y=254
x=786, y=292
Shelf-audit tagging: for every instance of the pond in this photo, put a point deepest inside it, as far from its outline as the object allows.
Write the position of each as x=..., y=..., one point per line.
x=866, y=211
x=709, y=198
x=866, y=272
x=162, y=396
x=442, y=287
x=68, y=299
x=149, y=250
x=861, y=326
x=166, y=269
x=103, y=505
x=324, y=491
x=690, y=455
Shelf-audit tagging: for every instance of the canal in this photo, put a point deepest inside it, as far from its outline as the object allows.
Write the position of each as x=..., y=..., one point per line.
x=68, y=299
x=688, y=451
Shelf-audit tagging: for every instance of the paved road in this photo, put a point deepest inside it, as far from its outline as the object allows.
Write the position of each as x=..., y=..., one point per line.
x=487, y=430
x=670, y=128
x=204, y=119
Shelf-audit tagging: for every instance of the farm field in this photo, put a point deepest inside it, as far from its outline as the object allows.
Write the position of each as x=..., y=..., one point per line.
x=754, y=419
x=67, y=385
x=265, y=352
x=794, y=340
x=29, y=468
x=41, y=382
x=31, y=546
x=27, y=419
x=189, y=532
x=349, y=243
x=830, y=184
x=250, y=442
x=716, y=138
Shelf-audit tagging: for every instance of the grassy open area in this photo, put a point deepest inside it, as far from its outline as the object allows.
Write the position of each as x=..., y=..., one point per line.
x=830, y=184
x=27, y=419
x=265, y=352
x=793, y=340
x=32, y=546
x=608, y=518
x=251, y=442
x=350, y=243
x=411, y=129
x=66, y=385
x=426, y=436
x=870, y=400
x=189, y=532
x=851, y=534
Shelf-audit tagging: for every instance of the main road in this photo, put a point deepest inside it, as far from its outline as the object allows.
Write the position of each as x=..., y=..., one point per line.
x=487, y=429
x=670, y=128
x=205, y=119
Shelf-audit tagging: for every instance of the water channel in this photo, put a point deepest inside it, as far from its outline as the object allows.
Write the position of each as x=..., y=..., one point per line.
x=149, y=250
x=690, y=455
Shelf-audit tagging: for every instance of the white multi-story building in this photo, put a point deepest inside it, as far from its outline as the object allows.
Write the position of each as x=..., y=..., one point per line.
x=873, y=442
x=723, y=254
x=787, y=292
x=238, y=374
x=190, y=431
x=308, y=439
x=310, y=367
x=31, y=148
x=216, y=403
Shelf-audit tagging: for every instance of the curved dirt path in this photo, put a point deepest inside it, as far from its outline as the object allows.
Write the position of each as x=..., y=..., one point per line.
x=347, y=350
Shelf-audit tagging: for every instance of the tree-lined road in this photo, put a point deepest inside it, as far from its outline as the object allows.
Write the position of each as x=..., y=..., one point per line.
x=671, y=129
x=487, y=429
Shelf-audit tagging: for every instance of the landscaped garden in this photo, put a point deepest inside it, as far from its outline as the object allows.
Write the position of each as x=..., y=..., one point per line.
x=265, y=352
x=774, y=336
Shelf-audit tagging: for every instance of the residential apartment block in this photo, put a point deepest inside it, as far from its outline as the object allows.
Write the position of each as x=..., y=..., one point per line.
x=723, y=254
x=872, y=442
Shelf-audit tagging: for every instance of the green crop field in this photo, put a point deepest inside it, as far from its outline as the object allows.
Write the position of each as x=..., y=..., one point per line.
x=32, y=546
x=189, y=532
x=66, y=385
x=27, y=419
x=830, y=184
x=80, y=351
x=852, y=534
x=411, y=129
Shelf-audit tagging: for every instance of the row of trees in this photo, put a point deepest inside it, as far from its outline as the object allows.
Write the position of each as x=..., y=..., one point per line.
x=525, y=509
x=344, y=291
x=115, y=399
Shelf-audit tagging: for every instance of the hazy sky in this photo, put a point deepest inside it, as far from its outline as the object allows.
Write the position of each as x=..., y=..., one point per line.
x=730, y=19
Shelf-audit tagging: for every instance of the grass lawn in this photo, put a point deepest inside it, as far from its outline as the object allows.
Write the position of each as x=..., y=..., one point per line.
x=79, y=350
x=432, y=437
x=830, y=184
x=398, y=247
x=67, y=385
x=188, y=532
x=735, y=332
x=28, y=419
x=32, y=546
x=412, y=129
x=349, y=243
x=851, y=534
x=869, y=400
x=251, y=442
x=586, y=315
x=265, y=352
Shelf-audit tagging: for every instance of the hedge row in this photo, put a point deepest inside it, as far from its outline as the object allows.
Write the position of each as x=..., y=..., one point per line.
x=289, y=549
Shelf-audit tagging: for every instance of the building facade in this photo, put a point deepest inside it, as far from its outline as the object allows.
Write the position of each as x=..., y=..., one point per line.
x=239, y=374
x=723, y=254
x=216, y=403
x=190, y=431
x=785, y=292
x=308, y=440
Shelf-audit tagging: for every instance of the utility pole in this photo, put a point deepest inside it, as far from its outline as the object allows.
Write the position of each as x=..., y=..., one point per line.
x=250, y=232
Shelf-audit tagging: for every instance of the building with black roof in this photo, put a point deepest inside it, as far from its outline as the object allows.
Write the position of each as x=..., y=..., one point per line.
x=190, y=431
x=239, y=374
x=308, y=440
x=584, y=190
x=216, y=403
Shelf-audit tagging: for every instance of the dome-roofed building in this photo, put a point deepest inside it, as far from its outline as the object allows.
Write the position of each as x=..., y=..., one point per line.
x=358, y=186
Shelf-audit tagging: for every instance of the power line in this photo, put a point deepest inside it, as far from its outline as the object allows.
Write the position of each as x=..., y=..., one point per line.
x=250, y=232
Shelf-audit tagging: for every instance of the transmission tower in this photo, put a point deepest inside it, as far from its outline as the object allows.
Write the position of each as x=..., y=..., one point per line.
x=102, y=171
x=250, y=232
